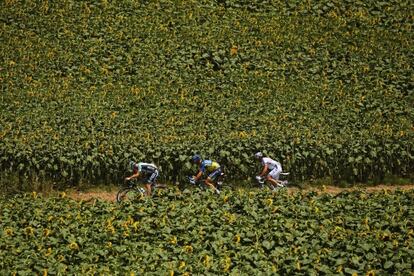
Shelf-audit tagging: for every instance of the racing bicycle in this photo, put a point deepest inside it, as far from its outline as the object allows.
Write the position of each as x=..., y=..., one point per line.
x=200, y=183
x=132, y=191
x=281, y=183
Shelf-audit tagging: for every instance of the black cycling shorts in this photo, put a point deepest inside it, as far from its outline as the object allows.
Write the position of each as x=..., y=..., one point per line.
x=215, y=174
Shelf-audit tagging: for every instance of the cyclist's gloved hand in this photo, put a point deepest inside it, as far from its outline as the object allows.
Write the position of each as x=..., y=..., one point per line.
x=192, y=180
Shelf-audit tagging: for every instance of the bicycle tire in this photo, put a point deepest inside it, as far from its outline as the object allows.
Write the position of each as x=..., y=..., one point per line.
x=128, y=194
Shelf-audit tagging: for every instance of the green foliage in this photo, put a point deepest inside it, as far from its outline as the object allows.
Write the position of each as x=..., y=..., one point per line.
x=324, y=87
x=235, y=233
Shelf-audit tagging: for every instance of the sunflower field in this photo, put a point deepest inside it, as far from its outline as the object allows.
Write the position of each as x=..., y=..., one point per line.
x=326, y=87
x=184, y=233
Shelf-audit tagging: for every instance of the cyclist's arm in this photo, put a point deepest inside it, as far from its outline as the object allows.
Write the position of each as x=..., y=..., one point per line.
x=264, y=170
x=135, y=175
x=198, y=176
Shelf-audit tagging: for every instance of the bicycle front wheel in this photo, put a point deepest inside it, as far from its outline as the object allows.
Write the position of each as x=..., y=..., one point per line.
x=129, y=194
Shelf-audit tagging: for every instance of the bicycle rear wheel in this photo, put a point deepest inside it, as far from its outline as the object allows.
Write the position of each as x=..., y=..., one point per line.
x=129, y=194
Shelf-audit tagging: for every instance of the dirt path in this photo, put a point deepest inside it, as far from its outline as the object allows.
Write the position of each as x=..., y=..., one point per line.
x=109, y=195
x=90, y=195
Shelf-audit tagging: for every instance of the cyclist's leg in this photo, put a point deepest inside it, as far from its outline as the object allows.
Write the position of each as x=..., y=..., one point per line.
x=212, y=178
x=151, y=181
x=219, y=178
x=209, y=182
x=148, y=188
x=273, y=176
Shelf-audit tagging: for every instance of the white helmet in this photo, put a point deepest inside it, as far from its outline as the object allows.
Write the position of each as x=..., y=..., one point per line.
x=258, y=155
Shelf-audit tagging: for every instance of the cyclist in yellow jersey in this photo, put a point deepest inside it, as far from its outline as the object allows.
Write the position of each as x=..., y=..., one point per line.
x=209, y=167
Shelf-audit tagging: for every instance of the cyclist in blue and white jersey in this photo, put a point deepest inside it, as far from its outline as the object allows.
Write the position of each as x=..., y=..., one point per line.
x=147, y=171
x=271, y=169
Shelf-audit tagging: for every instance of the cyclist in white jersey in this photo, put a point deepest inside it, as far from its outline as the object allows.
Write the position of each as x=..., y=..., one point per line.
x=147, y=171
x=270, y=167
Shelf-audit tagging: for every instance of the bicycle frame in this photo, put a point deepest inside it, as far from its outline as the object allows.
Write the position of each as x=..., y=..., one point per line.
x=279, y=182
x=198, y=183
x=134, y=190
x=202, y=186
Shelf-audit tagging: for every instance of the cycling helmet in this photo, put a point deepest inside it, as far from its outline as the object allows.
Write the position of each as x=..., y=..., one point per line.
x=258, y=155
x=196, y=158
x=132, y=165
